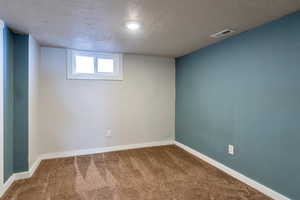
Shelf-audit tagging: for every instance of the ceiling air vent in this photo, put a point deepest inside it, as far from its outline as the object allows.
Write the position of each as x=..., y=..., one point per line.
x=223, y=33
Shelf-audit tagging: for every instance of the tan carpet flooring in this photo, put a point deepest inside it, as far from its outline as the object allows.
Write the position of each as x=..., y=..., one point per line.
x=157, y=173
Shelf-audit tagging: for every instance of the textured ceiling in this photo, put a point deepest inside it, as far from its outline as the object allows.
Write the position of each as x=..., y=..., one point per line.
x=169, y=27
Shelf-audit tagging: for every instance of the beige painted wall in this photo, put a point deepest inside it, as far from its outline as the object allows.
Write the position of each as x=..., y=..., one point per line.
x=76, y=114
x=34, y=57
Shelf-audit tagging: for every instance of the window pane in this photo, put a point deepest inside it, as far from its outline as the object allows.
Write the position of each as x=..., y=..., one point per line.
x=84, y=64
x=105, y=65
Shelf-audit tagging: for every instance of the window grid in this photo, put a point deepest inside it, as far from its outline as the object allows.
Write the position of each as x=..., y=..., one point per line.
x=117, y=69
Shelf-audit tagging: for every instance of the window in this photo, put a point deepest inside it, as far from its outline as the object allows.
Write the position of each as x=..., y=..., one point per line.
x=105, y=65
x=93, y=65
x=84, y=64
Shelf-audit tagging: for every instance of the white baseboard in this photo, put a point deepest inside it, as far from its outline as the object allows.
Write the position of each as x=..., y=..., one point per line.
x=24, y=175
x=104, y=149
x=18, y=176
x=7, y=184
x=28, y=174
x=260, y=187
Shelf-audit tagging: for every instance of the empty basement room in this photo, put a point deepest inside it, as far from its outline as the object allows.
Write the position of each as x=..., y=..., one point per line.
x=149, y=100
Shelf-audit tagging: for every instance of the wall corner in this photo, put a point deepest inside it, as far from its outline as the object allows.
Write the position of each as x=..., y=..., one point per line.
x=1, y=24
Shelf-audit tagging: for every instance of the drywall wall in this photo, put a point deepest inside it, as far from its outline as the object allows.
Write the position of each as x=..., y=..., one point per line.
x=20, y=78
x=15, y=75
x=33, y=88
x=8, y=103
x=76, y=114
x=1, y=103
x=245, y=91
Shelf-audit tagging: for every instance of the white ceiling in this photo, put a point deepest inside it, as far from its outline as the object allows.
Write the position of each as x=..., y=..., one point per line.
x=169, y=27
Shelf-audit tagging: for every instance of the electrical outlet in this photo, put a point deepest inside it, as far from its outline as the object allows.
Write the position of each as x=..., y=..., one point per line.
x=231, y=149
x=108, y=133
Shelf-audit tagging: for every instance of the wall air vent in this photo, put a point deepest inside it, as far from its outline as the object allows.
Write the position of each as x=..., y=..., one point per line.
x=223, y=33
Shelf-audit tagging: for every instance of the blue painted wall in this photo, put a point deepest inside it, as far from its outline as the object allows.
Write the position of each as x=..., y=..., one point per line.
x=15, y=103
x=8, y=103
x=245, y=91
x=21, y=102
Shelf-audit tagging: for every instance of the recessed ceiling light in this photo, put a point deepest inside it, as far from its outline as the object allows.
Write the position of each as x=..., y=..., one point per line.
x=133, y=26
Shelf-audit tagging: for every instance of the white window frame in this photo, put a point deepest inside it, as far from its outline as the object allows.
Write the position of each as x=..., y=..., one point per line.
x=116, y=75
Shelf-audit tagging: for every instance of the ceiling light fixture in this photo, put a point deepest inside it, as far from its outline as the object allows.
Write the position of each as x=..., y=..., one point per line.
x=133, y=26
